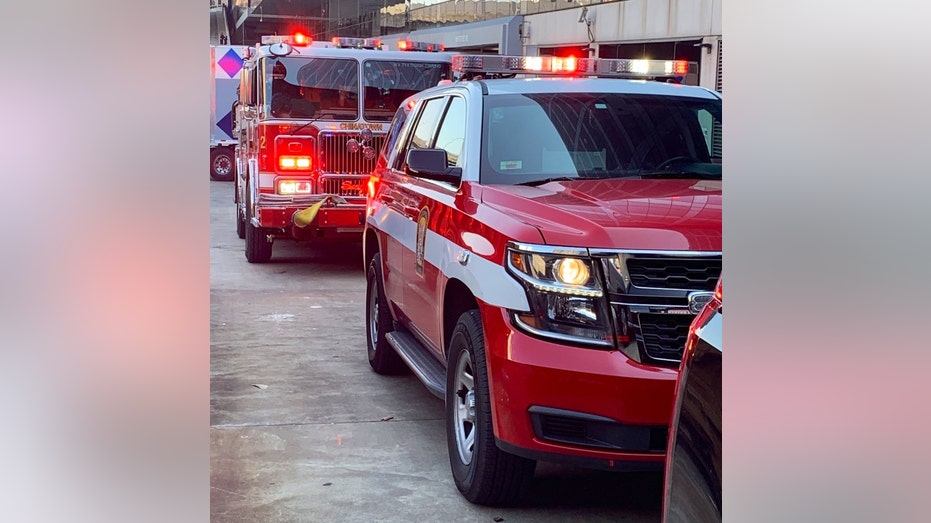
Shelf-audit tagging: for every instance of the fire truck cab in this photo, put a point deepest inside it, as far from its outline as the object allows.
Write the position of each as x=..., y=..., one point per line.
x=310, y=120
x=536, y=249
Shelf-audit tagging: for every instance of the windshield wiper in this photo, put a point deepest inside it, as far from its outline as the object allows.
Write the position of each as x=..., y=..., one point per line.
x=679, y=173
x=305, y=124
x=534, y=183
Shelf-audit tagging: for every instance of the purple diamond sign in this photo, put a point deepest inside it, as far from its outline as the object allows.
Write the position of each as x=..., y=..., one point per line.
x=231, y=63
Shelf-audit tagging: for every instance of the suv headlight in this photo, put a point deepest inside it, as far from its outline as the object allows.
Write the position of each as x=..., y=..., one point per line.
x=564, y=291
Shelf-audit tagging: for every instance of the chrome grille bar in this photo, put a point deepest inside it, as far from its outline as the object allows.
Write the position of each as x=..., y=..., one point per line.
x=336, y=159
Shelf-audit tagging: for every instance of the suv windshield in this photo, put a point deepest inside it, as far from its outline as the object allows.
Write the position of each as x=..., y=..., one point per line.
x=532, y=138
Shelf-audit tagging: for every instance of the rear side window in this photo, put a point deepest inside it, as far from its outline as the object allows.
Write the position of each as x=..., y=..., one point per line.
x=391, y=141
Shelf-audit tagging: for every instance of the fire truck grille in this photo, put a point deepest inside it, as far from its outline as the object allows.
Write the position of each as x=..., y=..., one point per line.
x=674, y=273
x=349, y=186
x=336, y=159
x=662, y=336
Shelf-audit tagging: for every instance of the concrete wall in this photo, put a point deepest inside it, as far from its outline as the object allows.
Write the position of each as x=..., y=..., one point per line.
x=630, y=21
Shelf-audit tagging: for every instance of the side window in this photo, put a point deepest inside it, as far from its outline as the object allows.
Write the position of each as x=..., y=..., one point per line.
x=452, y=131
x=711, y=131
x=246, y=81
x=426, y=124
x=391, y=141
x=424, y=128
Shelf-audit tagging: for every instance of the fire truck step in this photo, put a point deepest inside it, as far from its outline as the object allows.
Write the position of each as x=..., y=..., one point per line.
x=424, y=365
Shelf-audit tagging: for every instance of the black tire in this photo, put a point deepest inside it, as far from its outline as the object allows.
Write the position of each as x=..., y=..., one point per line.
x=382, y=356
x=222, y=164
x=258, y=248
x=483, y=473
x=240, y=223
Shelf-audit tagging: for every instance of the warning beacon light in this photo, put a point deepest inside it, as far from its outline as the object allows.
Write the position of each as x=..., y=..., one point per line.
x=411, y=45
x=301, y=39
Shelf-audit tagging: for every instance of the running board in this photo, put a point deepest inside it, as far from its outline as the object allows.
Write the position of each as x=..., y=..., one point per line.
x=428, y=370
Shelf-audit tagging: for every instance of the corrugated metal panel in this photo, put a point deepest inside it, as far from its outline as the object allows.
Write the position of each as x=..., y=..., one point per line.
x=716, y=145
x=717, y=82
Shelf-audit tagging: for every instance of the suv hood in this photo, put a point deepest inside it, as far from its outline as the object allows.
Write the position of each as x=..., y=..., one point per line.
x=617, y=214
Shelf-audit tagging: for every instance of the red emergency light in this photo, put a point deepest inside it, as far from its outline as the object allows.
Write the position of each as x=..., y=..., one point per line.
x=301, y=39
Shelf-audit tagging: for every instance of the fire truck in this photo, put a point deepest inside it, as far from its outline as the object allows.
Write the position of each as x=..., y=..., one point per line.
x=225, y=66
x=536, y=249
x=311, y=117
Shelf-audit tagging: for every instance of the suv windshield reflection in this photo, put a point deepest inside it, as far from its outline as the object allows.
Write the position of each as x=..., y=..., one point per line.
x=531, y=138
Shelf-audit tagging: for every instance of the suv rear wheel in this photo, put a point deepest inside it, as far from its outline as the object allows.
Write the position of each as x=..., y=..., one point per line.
x=483, y=473
x=382, y=357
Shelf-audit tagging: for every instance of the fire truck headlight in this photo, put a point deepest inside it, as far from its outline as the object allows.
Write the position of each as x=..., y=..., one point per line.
x=565, y=297
x=294, y=187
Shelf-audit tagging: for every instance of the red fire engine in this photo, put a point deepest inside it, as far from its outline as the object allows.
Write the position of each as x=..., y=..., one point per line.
x=310, y=119
x=536, y=250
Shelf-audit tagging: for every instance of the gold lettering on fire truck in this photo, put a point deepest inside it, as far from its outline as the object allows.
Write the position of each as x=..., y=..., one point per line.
x=355, y=126
x=422, y=221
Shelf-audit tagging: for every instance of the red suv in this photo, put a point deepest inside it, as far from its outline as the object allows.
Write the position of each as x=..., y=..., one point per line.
x=536, y=250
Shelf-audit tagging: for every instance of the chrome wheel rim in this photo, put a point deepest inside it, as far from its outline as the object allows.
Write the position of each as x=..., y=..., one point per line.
x=373, y=318
x=222, y=165
x=464, y=408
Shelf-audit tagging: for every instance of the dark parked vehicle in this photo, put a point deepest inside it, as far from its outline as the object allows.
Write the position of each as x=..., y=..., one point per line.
x=693, y=459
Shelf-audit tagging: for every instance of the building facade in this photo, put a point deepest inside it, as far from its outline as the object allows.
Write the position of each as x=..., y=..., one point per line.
x=655, y=29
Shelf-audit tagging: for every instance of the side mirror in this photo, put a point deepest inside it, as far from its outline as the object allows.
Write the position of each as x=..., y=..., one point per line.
x=431, y=165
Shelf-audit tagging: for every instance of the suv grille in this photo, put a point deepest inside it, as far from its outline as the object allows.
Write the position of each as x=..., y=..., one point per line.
x=649, y=293
x=335, y=159
x=674, y=273
x=663, y=336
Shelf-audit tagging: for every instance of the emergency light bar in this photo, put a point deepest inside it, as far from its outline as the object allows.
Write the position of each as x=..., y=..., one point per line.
x=411, y=45
x=299, y=39
x=570, y=66
x=357, y=43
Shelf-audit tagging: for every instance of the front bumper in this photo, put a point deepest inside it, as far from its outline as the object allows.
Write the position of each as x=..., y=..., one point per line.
x=275, y=211
x=556, y=402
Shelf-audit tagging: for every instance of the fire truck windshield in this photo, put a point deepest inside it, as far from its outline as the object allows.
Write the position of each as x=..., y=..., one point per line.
x=329, y=88
x=320, y=88
x=533, y=138
x=387, y=83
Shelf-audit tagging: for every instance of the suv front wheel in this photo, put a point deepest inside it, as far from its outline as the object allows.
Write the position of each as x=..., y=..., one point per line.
x=483, y=473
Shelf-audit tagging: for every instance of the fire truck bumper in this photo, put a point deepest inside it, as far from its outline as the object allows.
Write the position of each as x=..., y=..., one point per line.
x=333, y=213
x=556, y=402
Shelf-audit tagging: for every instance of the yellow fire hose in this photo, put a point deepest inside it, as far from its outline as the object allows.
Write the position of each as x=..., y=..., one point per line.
x=304, y=217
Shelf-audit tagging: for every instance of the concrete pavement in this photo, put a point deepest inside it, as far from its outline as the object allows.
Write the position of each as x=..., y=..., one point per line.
x=301, y=429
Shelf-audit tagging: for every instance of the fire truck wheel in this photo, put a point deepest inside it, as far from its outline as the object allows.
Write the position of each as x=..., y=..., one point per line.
x=483, y=473
x=222, y=167
x=240, y=223
x=258, y=248
x=382, y=357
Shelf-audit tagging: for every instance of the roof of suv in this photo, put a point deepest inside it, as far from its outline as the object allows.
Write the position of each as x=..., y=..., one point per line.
x=590, y=85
